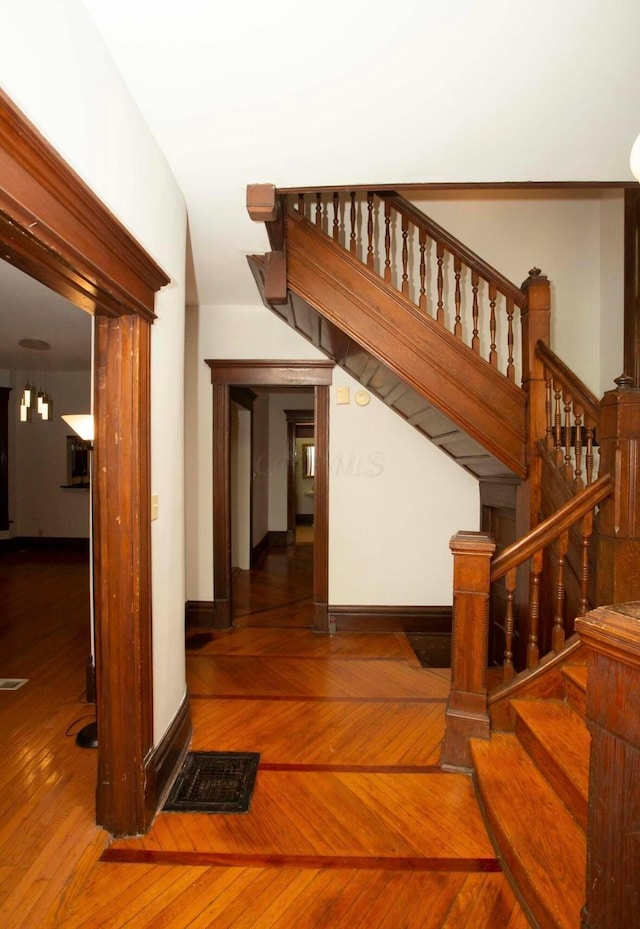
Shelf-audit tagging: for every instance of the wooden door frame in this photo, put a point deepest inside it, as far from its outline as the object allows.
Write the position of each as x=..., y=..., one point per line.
x=226, y=374
x=295, y=418
x=54, y=228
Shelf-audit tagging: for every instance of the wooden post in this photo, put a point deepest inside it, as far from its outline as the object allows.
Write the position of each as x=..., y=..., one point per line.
x=613, y=716
x=618, y=571
x=265, y=205
x=467, y=715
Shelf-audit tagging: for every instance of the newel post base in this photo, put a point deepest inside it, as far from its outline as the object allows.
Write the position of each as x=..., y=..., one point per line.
x=467, y=716
x=613, y=717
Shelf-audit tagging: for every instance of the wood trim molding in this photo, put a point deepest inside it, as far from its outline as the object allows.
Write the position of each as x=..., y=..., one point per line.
x=4, y=458
x=221, y=465
x=54, y=228
x=321, y=512
x=165, y=760
x=415, y=619
x=271, y=373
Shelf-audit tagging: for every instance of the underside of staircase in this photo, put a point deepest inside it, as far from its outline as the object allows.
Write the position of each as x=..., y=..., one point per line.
x=419, y=369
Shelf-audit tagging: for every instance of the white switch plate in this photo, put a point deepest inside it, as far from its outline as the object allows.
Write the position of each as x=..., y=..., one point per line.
x=342, y=395
x=154, y=506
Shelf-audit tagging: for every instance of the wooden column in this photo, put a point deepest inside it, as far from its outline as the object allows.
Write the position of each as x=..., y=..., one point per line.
x=4, y=458
x=613, y=717
x=122, y=560
x=467, y=715
x=221, y=508
x=618, y=571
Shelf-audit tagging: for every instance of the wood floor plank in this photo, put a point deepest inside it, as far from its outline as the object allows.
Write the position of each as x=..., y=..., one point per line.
x=297, y=643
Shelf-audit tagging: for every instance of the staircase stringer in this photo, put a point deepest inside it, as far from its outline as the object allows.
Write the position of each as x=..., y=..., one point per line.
x=483, y=403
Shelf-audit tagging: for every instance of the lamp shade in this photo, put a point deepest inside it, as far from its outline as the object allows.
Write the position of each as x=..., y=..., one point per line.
x=81, y=423
x=634, y=159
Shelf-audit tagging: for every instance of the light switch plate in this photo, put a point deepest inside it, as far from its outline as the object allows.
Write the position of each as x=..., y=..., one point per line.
x=154, y=506
x=342, y=395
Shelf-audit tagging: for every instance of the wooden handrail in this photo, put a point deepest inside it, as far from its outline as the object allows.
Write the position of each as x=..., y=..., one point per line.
x=453, y=245
x=579, y=391
x=549, y=530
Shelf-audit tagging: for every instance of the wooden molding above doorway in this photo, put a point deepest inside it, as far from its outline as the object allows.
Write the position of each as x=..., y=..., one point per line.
x=252, y=373
x=53, y=227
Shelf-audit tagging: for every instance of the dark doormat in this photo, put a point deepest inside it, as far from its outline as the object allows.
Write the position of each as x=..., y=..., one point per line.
x=214, y=782
x=433, y=650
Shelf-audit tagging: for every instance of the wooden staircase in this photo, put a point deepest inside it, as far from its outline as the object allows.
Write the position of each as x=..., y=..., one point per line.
x=533, y=785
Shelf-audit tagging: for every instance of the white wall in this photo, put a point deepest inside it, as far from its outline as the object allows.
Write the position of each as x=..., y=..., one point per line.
x=55, y=67
x=260, y=467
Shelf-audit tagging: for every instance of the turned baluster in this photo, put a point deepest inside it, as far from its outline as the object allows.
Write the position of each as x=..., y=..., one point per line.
x=475, y=340
x=493, y=354
x=557, y=423
x=336, y=216
x=557, y=636
x=587, y=529
x=457, y=267
x=578, y=482
x=588, y=458
x=440, y=258
x=370, y=256
x=319, y=209
x=511, y=371
x=405, y=255
x=422, y=303
x=387, y=241
x=568, y=467
x=510, y=587
x=353, y=242
x=533, y=649
x=301, y=204
x=548, y=409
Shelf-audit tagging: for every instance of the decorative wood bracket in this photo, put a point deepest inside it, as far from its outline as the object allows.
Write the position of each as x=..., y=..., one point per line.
x=264, y=205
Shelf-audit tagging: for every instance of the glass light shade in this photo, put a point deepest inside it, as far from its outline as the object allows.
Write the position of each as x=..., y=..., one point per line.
x=634, y=159
x=25, y=412
x=26, y=394
x=81, y=423
x=40, y=401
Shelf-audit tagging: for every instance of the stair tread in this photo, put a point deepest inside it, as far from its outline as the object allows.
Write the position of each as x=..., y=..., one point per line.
x=577, y=673
x=541, y=843
x=563, y=735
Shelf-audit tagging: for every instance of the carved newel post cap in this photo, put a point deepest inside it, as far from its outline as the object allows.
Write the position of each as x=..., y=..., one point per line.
x=535, y=276
x=623, y=382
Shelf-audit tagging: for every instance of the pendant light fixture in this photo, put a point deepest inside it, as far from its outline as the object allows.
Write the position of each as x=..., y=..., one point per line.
x=33, y=398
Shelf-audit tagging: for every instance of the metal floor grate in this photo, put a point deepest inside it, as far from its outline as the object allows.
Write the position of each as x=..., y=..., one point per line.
x=214, y=782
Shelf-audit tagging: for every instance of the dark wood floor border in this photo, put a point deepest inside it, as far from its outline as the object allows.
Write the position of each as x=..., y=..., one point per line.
x=311, y=699
x=352, y=768
x=168, y=755
x=391, y=618
x=307, y=862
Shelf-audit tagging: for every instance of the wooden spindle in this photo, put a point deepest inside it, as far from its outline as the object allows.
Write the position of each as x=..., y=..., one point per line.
x=387, y=241
x=548, y=410
x=440, y=309
x=319, y=209
x=457, y=267
x=336, y=216
x=405, y=255
x=568, y=466
x=588, y=458
x=587, y=529
x=353, y=241
x=533, y=647
x=510, y=587
x=422, y=303
x=577, y=450
x=511, y=371
x=558, y=634
x=493, y=354
x=475, y=341
x=557, y=423
x=301, y=205
x=370, y=255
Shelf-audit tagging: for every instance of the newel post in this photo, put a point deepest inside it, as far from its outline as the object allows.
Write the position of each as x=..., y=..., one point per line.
x=618, y=571
x=613, y=717
x=535, y=326
x=467, y=715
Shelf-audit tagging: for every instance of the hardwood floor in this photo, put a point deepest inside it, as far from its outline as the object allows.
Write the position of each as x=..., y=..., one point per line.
x=352, y=822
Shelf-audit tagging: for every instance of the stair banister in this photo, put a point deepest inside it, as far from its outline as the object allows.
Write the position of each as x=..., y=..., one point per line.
x=473, y=572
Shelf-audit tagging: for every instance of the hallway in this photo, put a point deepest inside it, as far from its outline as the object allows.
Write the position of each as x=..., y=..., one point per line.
x=352, y=823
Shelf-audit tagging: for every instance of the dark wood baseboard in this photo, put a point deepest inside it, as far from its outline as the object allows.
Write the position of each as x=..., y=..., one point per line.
x=209, y=613
x=278, y=538
x=167, y=756
x=413, y=619
x=44, y=543
x=304, y=519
